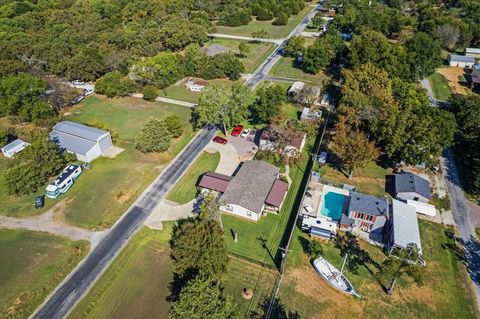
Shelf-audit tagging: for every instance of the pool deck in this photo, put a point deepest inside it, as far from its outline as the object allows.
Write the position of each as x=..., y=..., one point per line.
x=314, y=195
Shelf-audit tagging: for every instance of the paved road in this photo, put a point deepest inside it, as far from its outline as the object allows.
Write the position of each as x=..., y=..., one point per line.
x=262, y=72
x=437, y=103
x=461, y=215
x=64, y=298
x=168, y=100
x=239, y=37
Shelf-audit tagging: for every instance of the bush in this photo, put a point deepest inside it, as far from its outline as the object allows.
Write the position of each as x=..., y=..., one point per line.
x=174, y=125
x=150, y=93
x=314, y=249
x=281, y=19
x=154, y=137
x=3, y=137
x=114, y=84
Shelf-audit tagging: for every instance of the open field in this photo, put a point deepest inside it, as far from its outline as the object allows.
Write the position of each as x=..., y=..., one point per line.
x=178, y=91
x=445, y=294
x=368, y=180
x=285, y=68
x=32, y=264
x=440, y=88
x=274, y=31
x=136, y=284
x=258, y=51
x=186, y=188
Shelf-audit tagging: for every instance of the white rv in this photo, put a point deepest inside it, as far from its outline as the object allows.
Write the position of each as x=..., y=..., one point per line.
x=64, y=181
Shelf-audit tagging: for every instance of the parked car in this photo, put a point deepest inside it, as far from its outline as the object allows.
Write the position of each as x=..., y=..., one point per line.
x=237, y=130
x=87, y=92
x=78, y=99
x=245, y=132
x=220, y=140
x=78, y=82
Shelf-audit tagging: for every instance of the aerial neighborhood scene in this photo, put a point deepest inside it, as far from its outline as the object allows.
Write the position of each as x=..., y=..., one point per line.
x=258, y=159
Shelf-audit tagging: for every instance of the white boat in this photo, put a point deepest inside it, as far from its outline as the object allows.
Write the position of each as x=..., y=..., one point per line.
x=335, y=278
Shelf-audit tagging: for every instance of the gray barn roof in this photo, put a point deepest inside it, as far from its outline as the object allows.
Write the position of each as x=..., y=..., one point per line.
x=461, y=58
x=80, y=130
x=76, y=137
x=251, y=185
x=405, y=225
x=372, y=205
x=408, y=182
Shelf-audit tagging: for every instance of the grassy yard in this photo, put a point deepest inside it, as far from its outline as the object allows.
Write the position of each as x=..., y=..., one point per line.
x=186, y=188
x=32, y=265
x=368, y=180
x=445, y=294
x=275, y=32
x=178, y=91
x=441, y=89
x=286, y=68
x=136, y=284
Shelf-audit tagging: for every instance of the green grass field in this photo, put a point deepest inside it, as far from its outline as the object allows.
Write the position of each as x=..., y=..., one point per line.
x=285, y=68
x=258, y=52
x=32, y=264
x=136, y=284
x=186, y=188
x=446, y=292
x=178, y=91
x=275, y=32
x=441, y=89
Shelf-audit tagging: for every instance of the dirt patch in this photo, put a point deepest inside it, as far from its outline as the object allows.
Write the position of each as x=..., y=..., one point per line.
x=122, y=197
x=452, y=75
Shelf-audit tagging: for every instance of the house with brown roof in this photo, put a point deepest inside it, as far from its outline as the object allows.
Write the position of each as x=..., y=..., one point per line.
x=272, y=137
x=252, y=192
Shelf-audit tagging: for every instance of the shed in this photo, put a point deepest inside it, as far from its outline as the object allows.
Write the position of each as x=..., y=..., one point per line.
x=460, y=61
x=472, y=52
x=86, y=142
x=296, y=88
x=13, y=148
x=403, y=226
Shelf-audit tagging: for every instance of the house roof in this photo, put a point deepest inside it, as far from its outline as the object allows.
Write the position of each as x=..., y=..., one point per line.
x=296, y=87
x=476, y=76
x=297, y=140
x=269, y=134
x=472, y=50
x=215, y=181
x=198, y=82
x=77, y=138
x=215, y=49
x=405, y=225
x=372, y=205
x=277, y=193
x=14, y=146
x=408, y=182
x=461, y=58
x=251, y=185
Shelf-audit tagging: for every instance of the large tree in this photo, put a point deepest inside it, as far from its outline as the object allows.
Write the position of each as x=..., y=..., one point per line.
x=154, y=136
x=424, y=55
x=114, y=84
x=268, y=104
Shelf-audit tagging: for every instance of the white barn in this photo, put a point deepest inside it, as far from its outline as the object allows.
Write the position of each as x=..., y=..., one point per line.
x=472, y=52
x=460, y=61
x=86, y=142
x=13, y=148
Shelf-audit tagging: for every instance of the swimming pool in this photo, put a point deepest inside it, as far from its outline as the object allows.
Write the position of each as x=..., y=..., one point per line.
x=332, y=205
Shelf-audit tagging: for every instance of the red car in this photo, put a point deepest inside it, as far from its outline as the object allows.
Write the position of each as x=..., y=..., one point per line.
x=237, y=130
x=220, y=140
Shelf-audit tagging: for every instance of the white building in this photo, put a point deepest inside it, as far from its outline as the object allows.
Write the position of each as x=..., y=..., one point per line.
x=296, y=88
x=319, y=226
x=86, y=142
x=196, y=85
x=460, y=61
x=472, y=52
x=13, y=148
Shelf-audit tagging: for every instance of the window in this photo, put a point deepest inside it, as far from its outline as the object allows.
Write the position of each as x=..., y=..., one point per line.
x=249, y=213
x=416, y=199
x=229, y=208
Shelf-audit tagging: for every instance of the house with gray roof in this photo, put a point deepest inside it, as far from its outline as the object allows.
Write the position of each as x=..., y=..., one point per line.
x=409, y=186
x=215, y=49
x=254, y=191
x=460, y=61
x=86, y=142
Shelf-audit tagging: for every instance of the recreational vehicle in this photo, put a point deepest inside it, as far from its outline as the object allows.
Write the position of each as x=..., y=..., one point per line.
x=64, y=181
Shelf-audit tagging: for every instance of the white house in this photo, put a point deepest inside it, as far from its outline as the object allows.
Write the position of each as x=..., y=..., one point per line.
x=196, y=85
x=460, y=61
x=295, y=88
x=86, y=142
x=472, y=52
x=13, y=148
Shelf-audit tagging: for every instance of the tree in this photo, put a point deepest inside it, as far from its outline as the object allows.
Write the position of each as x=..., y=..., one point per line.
x=160, y=70
x=228, y=65
x=34, y=166
x=87, y=64
x=114, y=84
x=240, y=100
x=314, y=249
x=281, y=19
x=3, y=137
x=448, y=35
x=294, y=46
x=202, y=298
x=244, y=49
x=154, y=136
x=198, y=248
x=174, y=125
x=150, y=93
x=318, y=21
x=268, y=103
x=95, y=122
x=424, y=55
x=308, y=95
x=404, y=262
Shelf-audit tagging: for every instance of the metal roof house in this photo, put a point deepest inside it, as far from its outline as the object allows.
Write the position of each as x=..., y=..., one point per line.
x=409, y=186
x=13, y=148
x=460, y=61
x=86, y=142
x=472, y=52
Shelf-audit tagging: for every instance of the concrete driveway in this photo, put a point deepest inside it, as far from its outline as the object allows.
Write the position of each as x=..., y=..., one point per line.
x=245, y=147
x=229, y=157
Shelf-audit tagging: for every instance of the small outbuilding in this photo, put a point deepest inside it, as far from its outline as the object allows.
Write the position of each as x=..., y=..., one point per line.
x=409, y=186
x=215, y=49
x=13, y=148
x=86, y=142
x=460, y=61
x=196, y=85
x=472, y=52
x=295, y=88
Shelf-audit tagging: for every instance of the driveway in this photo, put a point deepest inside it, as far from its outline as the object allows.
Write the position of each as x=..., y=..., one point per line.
x=229, y=157
x=245, y=147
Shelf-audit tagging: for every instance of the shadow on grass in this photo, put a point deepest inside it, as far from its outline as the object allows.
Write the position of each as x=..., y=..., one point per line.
x=278, y=312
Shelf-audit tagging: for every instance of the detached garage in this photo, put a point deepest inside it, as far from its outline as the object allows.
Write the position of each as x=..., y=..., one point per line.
x=86, y=142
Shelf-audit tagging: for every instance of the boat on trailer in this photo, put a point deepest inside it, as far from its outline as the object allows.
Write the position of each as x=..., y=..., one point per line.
x=333, y=276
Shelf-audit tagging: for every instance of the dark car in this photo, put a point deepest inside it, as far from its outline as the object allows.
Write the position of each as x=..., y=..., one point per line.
x=237, y=130
x=220, y=140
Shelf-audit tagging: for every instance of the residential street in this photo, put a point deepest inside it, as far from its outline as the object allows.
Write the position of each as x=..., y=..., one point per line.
x=67, y=294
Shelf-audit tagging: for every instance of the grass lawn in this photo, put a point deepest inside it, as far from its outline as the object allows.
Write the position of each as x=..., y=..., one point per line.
x=368, y=180
x=258, y=51
x=32, y=265
x=285, y=68
x=441, y=89
x=178, y=91
x=136, y=284
x=274, y=32
x=186, y=188
x=445, y=294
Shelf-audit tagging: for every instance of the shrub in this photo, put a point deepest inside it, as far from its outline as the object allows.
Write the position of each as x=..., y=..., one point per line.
x=150, y=93
x=281, y=19
x=174, y=125
x=114, y=84
x=154, y=136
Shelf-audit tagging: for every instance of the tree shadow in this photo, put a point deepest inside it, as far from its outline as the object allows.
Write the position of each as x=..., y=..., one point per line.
x=348, y=244
x=455, y=246
x=279, y=311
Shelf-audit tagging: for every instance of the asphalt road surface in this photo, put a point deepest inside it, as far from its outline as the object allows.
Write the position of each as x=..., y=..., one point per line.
x=64, y=298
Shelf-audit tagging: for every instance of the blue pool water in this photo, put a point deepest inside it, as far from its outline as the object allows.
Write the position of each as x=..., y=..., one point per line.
x=332, y=205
